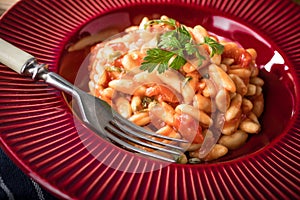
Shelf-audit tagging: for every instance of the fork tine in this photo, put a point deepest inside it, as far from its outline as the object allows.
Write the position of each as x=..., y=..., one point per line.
x=122, y=122
x=139, y=142
x=114, y=127
x=136, y=149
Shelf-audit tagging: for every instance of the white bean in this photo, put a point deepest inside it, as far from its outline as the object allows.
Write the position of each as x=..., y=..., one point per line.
x=257, y=81
x=146, y=77
x=187, y=92
x=234, y=108
x=258, y=90
x=143, y=22
x=250, y=126
x=221, y=78
x=240, y=84
x=241, y=72
x=253, y=117
x=227, y=61
x=140, y=119
x=251, y=90
x=123, y=107
x=231, y=126
x=217, y=151
x=258, y=105
x=223, y=100
x=194, y=147
x=168, y=131
x=176, y=81
x=199, y=115
x=131, y=61
x=224, y=67
x=254, y=71
x=234, y=141
x=162, y=111
x=246, y=105
x=202, y=103
x=136, y=103
x=199, y=33
x=209, y=89
x=123, y=85
x=216, y=59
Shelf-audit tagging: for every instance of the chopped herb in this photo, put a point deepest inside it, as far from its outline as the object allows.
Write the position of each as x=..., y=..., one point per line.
x=156, y=58
x=114, y=69
x=174, y=46
x=112, y=57
x=170, y=22
x=146, y=101
x=194, y=160
x=206, y=76
x=216, y=48
x=186, y=80
x=182, y=159
x=177, y=62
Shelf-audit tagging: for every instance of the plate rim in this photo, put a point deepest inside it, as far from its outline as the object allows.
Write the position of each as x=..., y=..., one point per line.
x=29, y=171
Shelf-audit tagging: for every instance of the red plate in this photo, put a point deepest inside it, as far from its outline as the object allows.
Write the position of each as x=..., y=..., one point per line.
x=39, y=133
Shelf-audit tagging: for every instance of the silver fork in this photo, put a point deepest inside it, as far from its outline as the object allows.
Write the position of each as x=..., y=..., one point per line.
x=94, y=112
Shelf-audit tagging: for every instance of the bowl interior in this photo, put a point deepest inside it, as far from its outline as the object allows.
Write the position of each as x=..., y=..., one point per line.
x=278, y=74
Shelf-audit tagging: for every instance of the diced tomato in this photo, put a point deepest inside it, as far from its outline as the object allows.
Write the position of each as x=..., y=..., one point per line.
x=240, y=55
x=162, y=93
x=245, y=59
x=189, y=128
x=118, y=62
x=97, y=93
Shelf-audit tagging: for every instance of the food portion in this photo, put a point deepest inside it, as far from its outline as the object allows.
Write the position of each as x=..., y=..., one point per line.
x=181, y=82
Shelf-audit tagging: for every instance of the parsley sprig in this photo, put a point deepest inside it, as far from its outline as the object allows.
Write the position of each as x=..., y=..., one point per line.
x=174, y=46
x=216, y=48
x=159, y=58
x=171, y=22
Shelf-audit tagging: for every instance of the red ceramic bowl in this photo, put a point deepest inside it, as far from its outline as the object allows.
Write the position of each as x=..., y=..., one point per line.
x=39, y=132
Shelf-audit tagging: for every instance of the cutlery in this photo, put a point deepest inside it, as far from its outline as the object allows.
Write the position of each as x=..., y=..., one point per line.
x=94, y=112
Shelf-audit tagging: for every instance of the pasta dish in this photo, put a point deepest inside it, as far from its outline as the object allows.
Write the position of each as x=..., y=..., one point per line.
x=181, y=82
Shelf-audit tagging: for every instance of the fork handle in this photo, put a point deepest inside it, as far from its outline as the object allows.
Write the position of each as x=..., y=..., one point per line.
x=13, y=57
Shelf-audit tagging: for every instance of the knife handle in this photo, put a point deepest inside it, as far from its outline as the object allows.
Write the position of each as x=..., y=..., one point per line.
x=13, y=57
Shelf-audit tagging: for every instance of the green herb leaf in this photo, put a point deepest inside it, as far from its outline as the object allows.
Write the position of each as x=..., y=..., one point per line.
x=159, y=58
x=146, y=101
x=170, y=22
x=177, y=63
x=169, y=40
x=190, y=49
x=156, y=58
x=182, y=29
x=178, y=45
x=216, y=48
